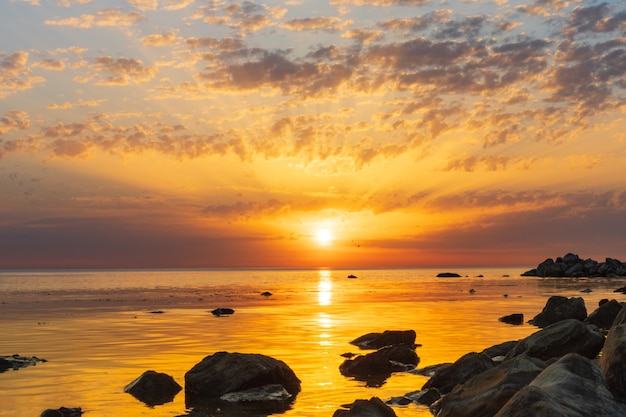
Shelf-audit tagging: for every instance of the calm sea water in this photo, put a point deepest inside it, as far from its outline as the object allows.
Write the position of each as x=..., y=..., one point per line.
x=99, y=330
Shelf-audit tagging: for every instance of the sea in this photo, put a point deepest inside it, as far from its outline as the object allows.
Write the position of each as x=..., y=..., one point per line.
x=98, y=330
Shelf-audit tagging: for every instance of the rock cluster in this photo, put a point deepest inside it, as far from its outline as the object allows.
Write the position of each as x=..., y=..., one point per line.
x=16, y=362
x=572, y=265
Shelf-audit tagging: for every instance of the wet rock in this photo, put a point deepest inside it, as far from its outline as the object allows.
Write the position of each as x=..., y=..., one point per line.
x=468, y=365
x=224, y=372
x=604, y=316
x=559, y=339
x=515, y=318
x=153, y=388
x=485, y=393
x=266, y=294
x=373, y=407
x=223, y=311
x=424, y=397
x=386, y=338
x=573, y=387
x=274, y=392
x=16, y=362
x=375, y=367
x=62, y=412
x=500, y=350
x=613, y=360
x=448, y=275
x=559, y=308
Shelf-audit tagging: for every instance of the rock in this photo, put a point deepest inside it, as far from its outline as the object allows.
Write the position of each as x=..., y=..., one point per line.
x=621, y=289
x=222, y=311
x=559, y=308
x=16, y=362
x=448, y=275
x=386, y=338
x=376, y=367
x=274, y=392
x=153, y=388
x=604, y=316
x=425, y=397
x=62, y=412
x=559, y=339
x=373, y=407
x=571, y=387
x=225, y=372
x=515, y=318
x=485, y=393
x=352, y=276
x=266, y=294
x=613, y=360
x=573, y=266
x=500, y=350
x=468, y=365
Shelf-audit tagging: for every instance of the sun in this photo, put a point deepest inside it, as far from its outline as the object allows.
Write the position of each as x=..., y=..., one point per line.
x=324, y=236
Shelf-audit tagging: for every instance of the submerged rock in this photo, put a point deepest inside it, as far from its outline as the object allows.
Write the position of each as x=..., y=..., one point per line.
x=515, y=318
x=448, y=275
x=376, y=367
x=386, y=338
x=153, y=388
x=16, y=362
x=613, y=360
x=373, y=407
x=223, y=311
x=62, y=412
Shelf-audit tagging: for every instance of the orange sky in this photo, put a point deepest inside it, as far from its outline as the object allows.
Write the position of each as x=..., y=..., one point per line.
x=183, y=133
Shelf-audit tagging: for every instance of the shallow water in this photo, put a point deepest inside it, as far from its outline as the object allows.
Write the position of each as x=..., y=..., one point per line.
x=99, y=330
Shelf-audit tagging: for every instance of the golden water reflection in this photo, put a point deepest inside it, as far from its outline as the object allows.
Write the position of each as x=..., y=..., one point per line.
x=325, y=288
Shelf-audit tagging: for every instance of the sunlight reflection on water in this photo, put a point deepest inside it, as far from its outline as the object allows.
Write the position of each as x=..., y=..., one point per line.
x=308, y=323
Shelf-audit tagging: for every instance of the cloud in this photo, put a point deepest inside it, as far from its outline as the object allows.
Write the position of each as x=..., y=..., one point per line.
x=144, y=5
x=102, y=18
x=14, y=120
x=123, y=71
x=176, y=4
x=159, y=39
x=385, y=3
x=15, y=75
x=331, y=24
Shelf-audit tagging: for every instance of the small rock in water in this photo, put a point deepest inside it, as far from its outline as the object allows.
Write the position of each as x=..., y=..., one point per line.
x=266, y=293
x=586, y=290
x=222, y=311
x=472, y=291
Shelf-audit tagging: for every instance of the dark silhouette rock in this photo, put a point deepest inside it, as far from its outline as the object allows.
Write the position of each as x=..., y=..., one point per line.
x=153, y=388
x=573, y=386
x=468, y=365
x=515, y=318
x=225, y=372
x=604, y=316
x=500, y=350
x=16, y=362
x=352, y=276
x=62, y=412
x=559, y=339
x=386, y=338
x=484, y=394
x=376, y=367
x=571, y=265
x=266, y=294
x=373, y=407
x=559, y=308
x=448, y=275
x=223, y=311
x=613, y=360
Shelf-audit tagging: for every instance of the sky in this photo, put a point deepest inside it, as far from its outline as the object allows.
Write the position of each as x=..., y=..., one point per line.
x=413, y=133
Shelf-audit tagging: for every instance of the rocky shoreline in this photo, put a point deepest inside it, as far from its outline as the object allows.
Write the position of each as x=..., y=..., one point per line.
x=571, y=265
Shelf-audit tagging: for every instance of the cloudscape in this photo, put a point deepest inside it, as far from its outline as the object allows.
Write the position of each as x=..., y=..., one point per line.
x=306, y=133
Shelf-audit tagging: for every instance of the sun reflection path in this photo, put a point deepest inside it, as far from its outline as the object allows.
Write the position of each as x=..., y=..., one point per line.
x=325, y=288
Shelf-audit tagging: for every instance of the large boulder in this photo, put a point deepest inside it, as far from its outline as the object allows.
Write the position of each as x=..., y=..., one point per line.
x=373, y=407
x=613, y=360
x=153, y=388
x=604, y=316
x=571, y=387
x=559, y=339
x=386, y=338
x=376, y=367
x=225, y=372
x=484, y=394
x=559, y=308
x=468, y=365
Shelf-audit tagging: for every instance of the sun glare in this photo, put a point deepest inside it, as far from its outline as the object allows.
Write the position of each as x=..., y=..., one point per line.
x=324, y=236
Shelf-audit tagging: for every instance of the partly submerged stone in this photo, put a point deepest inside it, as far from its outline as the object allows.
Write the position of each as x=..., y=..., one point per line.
x=153, y=388
x=559, y=308
x=386, y=338
x=373, y=407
